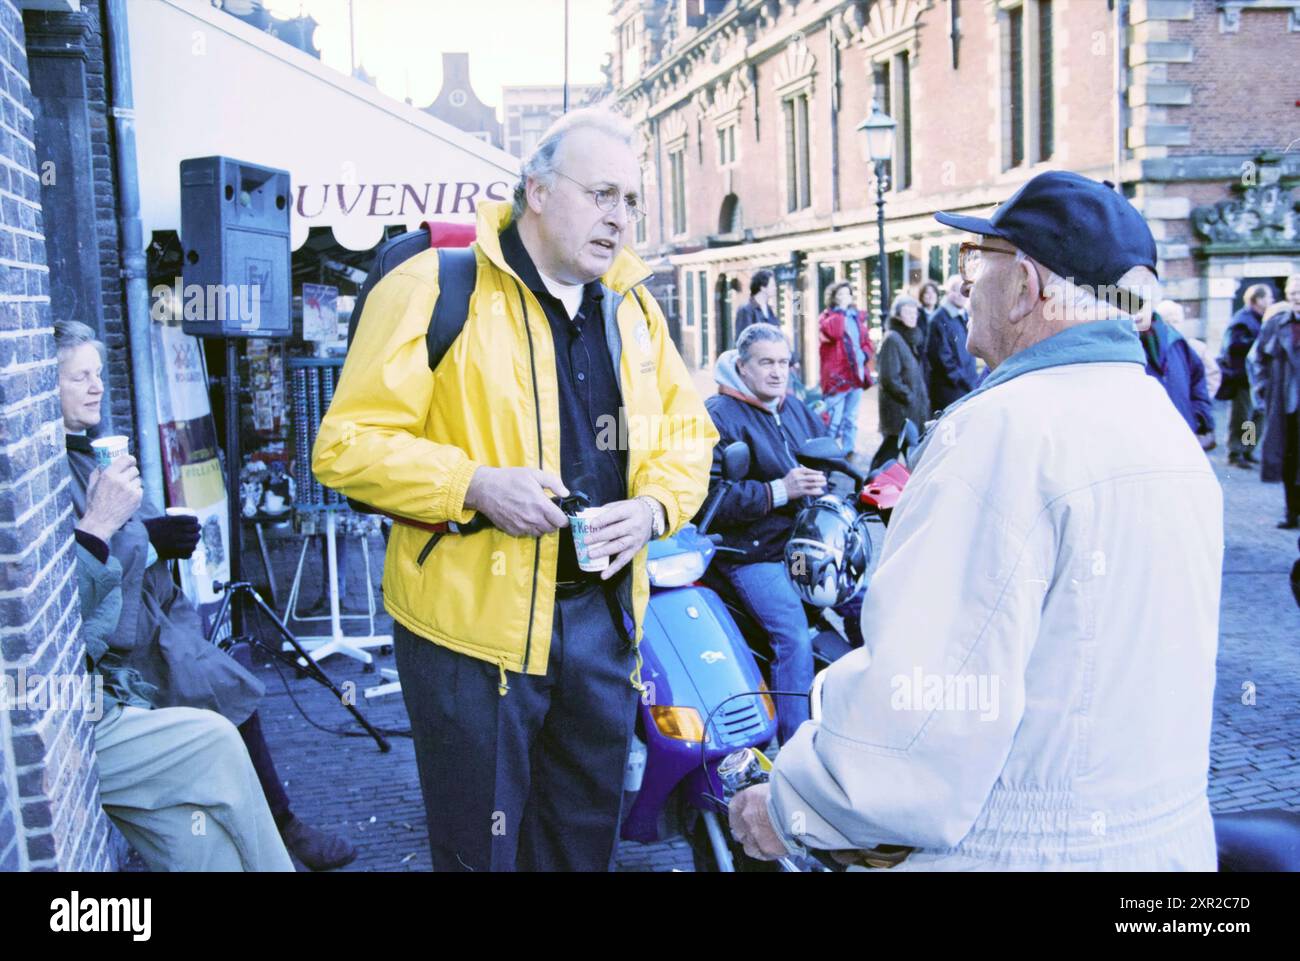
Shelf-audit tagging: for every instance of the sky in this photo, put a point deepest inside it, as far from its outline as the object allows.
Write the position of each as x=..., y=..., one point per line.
x=509, y=42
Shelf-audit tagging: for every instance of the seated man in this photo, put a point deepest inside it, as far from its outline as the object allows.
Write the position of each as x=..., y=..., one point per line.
x=157, y=622
x=176, y=781
x=757, y=516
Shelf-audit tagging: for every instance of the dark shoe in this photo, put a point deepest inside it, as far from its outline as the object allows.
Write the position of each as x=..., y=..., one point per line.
x=1250, y=459
x=316, y=849
x=1239, y=460
x=1288, y=523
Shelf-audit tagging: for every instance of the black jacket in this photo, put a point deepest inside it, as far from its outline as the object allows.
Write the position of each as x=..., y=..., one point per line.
x=747, y=519
x=750, y=313
x=1237, y=341
x=903, y=394
x=952, y=369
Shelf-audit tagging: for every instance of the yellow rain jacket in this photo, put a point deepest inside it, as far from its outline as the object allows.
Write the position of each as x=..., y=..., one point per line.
x=406, y=440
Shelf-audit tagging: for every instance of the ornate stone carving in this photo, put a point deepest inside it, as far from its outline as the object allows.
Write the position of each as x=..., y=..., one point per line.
x=1264, y=214
x=674, y=130
x=887, y=17
x=795, y=66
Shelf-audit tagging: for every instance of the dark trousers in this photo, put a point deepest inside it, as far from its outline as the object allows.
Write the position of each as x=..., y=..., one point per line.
x=259, y=752
x=1240, y=421
x=887, y=450
x=532, y=780
x=1291, y=465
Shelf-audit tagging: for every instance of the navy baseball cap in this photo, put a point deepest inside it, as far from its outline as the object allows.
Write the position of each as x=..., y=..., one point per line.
x=1080, y=229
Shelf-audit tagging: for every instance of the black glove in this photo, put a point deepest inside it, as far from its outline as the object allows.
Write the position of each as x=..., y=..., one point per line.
x=173, y=536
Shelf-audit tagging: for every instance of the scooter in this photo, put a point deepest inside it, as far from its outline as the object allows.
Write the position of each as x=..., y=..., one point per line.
x=874, y=495
x=705, y=696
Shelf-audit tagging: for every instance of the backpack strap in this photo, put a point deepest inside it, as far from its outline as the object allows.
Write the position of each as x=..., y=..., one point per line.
x=389, y=255
x=457, y=276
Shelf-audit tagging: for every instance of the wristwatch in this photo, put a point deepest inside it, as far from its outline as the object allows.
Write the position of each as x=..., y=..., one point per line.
x=657, y=520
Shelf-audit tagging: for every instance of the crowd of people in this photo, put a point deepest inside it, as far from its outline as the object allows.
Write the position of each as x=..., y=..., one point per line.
x=518, y=646
x=922, y=365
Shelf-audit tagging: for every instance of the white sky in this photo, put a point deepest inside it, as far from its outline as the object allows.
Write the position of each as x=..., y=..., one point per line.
x=509, y=42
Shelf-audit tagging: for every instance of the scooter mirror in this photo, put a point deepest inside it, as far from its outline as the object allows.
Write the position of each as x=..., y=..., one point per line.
x=735, y=461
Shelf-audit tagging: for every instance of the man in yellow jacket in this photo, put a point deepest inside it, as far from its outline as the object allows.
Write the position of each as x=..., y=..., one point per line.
x=519, y=669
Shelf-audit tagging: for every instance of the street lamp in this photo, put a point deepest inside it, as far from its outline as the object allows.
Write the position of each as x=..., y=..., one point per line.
x=876, y=135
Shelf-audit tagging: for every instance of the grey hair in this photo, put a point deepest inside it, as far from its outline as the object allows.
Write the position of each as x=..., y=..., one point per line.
x=71, y=334
x=540, y=164
x=1079, y=302
x=901, y=301
x=754, y=333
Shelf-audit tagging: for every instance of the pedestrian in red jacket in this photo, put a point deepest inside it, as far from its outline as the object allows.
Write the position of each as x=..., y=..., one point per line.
x=846, y=361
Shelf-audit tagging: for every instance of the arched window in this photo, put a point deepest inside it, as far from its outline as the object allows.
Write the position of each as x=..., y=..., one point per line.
x=729, y=215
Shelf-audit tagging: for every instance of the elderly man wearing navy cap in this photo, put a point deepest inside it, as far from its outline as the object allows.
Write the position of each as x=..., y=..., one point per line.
x=1029, y=698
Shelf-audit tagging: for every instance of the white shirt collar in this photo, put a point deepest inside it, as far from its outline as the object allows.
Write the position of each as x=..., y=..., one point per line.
x=568, y=294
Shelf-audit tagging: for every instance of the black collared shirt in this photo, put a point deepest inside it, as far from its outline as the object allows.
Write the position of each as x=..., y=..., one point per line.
x=592, y=460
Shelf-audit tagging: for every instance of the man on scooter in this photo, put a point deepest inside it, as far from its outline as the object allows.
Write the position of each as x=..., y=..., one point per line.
x=757, y=516
x=1031, y=700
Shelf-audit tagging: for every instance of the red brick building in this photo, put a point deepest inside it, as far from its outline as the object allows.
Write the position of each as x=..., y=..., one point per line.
x=748, y=110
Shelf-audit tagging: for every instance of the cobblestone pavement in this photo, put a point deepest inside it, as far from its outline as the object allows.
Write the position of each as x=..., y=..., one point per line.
x=345, y=784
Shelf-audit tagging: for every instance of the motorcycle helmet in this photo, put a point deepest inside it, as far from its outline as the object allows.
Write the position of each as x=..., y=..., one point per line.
x=828, y=552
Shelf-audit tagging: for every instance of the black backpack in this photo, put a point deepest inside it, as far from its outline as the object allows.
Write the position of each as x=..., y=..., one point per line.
x=457, y=276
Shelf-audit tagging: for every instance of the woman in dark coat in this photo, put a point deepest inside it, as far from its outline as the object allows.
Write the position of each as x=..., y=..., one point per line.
x=1274, y=364
x=903, y=393
x=929, y=295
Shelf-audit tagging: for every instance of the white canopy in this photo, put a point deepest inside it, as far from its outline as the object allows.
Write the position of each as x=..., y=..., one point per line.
x=207, y=83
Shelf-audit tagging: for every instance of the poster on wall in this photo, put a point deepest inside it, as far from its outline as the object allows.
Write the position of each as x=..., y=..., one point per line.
x=320, y=313
x=191, y=467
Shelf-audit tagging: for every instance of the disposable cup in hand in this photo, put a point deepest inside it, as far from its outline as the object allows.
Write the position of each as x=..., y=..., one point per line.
x=582, y=524
x=109, y=449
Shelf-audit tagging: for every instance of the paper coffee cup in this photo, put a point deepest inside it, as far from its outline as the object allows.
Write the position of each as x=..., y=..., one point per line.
x=582, y=524
x=108, y=449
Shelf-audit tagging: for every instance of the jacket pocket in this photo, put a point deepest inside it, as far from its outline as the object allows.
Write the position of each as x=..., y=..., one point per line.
x=428, y=548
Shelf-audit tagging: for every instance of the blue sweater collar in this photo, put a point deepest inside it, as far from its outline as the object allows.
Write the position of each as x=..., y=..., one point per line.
x=1096, y=342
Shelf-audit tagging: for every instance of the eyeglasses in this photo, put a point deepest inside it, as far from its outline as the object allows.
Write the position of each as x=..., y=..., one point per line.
x=970, y=263
x=607, y=198
x=970, y=259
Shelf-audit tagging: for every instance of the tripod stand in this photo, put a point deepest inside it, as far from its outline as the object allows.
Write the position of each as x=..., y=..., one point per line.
x=237, y=590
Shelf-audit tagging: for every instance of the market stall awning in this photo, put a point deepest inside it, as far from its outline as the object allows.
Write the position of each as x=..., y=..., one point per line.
x=207, y=83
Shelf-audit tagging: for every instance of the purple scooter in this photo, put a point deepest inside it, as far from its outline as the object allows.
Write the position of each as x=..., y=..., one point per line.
x=705, y=696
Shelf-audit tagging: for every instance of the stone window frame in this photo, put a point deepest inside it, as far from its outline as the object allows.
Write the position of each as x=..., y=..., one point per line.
x=728, y=123
x=796, y=80
x=1230, y=12
x=798, y=179
x=678, y=222
x=1031, y=90
x=889, y=48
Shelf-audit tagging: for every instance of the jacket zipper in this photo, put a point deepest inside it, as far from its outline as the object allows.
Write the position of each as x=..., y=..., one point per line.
x=432, y=542
x=537, y=543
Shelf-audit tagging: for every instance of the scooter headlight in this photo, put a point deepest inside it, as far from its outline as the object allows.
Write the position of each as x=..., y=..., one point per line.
x=676, y=570
x=680, y=723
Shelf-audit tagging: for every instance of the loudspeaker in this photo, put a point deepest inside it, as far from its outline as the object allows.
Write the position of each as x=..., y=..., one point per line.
x=235, y=234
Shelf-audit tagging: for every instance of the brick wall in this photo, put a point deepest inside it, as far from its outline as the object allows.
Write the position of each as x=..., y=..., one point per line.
x=1243, y=84
x=49, y=815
